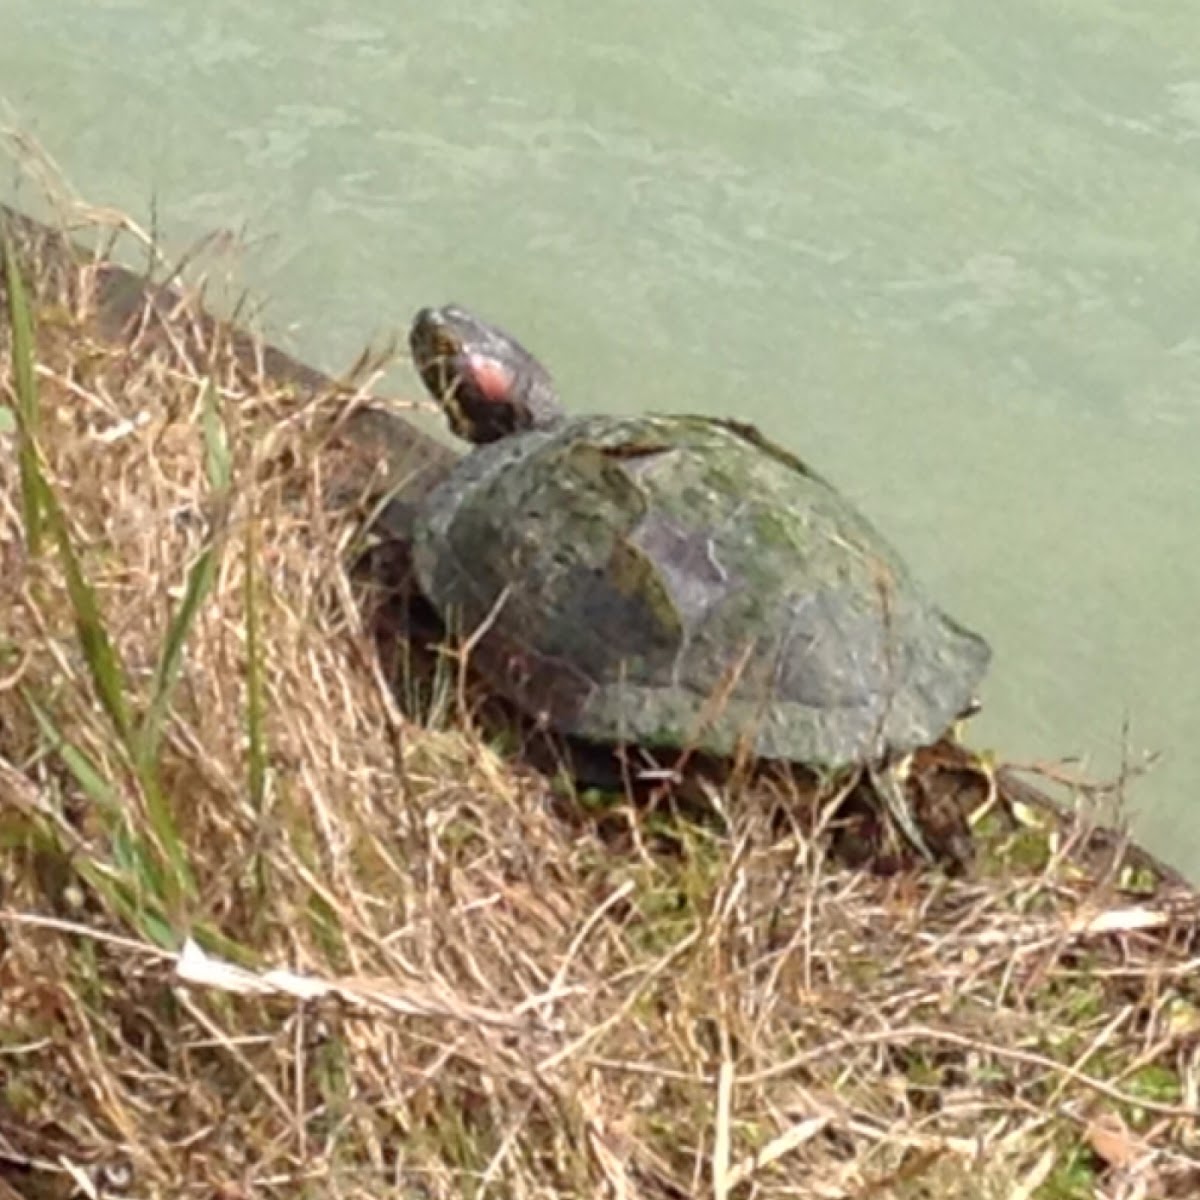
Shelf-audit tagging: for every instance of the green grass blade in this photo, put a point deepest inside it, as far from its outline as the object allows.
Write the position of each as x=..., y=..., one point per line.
x=102, y=662
x=218, y=464
x=199, y=584
x=124, y=900
x=168, y=886
x=78, y=764
x=134, y=886
x=256, y=742
x=136, y=860
x=178, y=882
x=255, y=700
x=108, y=680
x=41, y=509
x=212, y=940
x=25, y=382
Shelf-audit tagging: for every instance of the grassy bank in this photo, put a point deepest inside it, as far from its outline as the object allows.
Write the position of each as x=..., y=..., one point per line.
x=263, y=932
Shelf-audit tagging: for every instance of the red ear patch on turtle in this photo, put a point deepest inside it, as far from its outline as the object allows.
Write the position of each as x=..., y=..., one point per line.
x=493, y=379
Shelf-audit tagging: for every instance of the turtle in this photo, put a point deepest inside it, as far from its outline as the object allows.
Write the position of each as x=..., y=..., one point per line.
x=673, y=581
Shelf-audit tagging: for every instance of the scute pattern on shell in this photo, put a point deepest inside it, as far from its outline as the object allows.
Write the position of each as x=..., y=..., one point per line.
x=682, y=581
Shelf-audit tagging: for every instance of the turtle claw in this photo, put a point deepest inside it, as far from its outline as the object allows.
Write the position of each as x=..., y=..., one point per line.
x=888, y=782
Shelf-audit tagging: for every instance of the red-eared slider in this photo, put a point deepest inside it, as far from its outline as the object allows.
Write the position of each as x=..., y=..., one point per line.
x=671, y=581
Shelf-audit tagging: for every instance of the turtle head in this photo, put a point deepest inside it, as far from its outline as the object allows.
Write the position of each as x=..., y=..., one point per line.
x=487, y=383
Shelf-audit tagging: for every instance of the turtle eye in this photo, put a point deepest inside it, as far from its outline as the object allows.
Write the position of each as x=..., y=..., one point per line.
x=445, y=345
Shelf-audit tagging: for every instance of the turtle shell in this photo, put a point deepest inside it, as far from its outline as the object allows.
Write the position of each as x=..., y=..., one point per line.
x=681, y=581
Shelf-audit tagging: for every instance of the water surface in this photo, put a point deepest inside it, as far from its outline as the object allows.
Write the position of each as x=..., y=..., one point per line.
x=949, y=254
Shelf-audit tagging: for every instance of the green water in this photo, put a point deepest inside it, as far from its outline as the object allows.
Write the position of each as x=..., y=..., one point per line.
x=946, y=250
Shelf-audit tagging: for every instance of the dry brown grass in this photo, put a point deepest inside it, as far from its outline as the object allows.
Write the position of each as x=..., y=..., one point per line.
x=486, y=997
